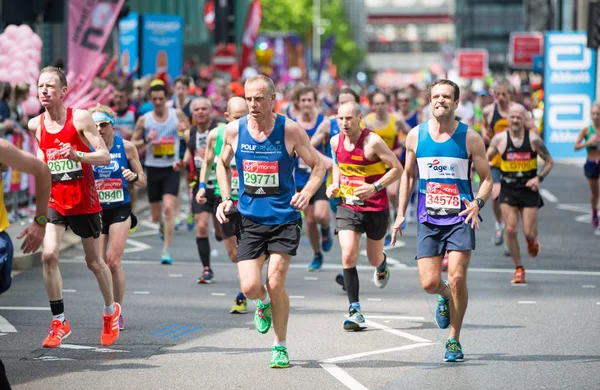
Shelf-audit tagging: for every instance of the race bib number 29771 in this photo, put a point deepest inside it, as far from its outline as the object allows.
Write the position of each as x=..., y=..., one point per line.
x=261, y=177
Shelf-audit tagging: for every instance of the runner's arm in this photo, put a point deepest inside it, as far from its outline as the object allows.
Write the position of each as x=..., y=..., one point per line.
x=486, y=129
x=322, y=133
x=409, y=174
x=34, y=126
x=492, y=149
x=309, y=154
x=137, y=138
x=225, y=157
x=540, y=148
x=135, y=165
x=388, y=157
x=183, y=120
x=335, y=169
x=25, y=162
x=83, y=122
x=209, y=156
x=476, y=149
x=580, y=144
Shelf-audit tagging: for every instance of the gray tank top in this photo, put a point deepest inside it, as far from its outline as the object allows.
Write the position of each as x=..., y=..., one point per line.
x=164, y=150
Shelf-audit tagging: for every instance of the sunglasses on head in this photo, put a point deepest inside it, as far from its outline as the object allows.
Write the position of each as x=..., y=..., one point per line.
x=103, y=124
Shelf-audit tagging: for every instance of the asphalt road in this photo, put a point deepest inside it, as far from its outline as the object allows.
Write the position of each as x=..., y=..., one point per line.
x=180, y=335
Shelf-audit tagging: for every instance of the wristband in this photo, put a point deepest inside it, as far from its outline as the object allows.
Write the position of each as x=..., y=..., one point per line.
x=225, y=199
x=79, y=157
x=377, y=186
x=540, y=178
x=202, y=185
x=136, y=178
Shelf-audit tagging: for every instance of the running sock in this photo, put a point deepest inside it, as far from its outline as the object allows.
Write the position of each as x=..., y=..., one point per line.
x=110, y=310
x=351, y=283
x=355, y=306
x=58, y=310
x=325, y=232
x=267, y=299
x=595, y=213
x=521, y=267
x=279, y=344
x=240, y=296
x=499, y=226
x=381, y=267
x=203, y=250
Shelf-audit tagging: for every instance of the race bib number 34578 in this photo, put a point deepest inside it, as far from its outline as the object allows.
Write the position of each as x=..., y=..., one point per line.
x=261, y=177
x=442, y=199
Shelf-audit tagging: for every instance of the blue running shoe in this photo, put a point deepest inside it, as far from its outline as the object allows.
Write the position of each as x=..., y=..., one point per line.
x=316, y=264
x=166, y=258
x=326, y=240
x=190, y=222
x=355, y=321
x=388, y=240
x=207, y=276
x=454, y=351
x=442, y=311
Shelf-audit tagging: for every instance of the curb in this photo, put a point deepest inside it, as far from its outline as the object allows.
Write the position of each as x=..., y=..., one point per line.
x=23, y=262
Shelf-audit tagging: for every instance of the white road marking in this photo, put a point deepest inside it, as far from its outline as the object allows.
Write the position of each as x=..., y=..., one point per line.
x=526, y=302
x=3, y=334
x=141, y=292
x=585, y=218
x=296, y=296
x=137, y=246
x=597, y=303
x=588, y=286
x=144, y=234
x=69, y=290
x=51, y=358
x=397, y=332
x=311, y=278
x=14, y=273
x=519, y=284
x=149, y=224
x=391, y=261
x=5, y=326
x=343, y=377
x=377, y=352
x=374, y=299
x=24, y=308
x=218, y=294
x=548, y=195
x=395, y=318
x=89, y=348
x=176, y=275
x=576, y=207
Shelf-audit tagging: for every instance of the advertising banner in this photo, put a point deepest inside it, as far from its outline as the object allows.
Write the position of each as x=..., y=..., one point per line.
x=162, y=46
x=129, y=43
x=569, y=89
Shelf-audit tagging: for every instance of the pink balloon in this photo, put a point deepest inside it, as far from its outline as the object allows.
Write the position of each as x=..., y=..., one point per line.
x=24, y=31
x=4, y=74
x=17, y=76
x=33, y=90
x=4, y=61
x=11, y=31
x=16, y=65
x=36, y=42
x=35, y=56
x=31, y=106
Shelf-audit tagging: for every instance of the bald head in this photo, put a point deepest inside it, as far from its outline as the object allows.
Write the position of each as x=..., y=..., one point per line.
x=517, y=109
x=236, y=108
x=516, y=117
x=350, y=107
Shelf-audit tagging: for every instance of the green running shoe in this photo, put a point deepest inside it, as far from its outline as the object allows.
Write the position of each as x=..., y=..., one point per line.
x=279, y=358
x=262, y=317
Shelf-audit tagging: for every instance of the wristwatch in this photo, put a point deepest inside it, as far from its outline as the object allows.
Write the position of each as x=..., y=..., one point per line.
x=378, y=186
x=41, y=220
x=540, y=178
x=225, y=199
x=480, y=203
x=136, y=178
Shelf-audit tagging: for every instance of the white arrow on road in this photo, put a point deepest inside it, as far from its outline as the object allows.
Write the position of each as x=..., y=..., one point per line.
x=5, y=326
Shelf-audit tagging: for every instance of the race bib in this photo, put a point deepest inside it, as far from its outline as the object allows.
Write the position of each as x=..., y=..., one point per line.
x=517, y=162
x=261, y=177
x=110, y=190
x=442, y=199
x=235, y=181
x=302, y=167
x=164, y=148
x=61, y=168
x=347, y=186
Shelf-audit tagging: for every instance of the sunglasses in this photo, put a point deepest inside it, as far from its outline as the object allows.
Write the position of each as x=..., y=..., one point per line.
x=103, y=124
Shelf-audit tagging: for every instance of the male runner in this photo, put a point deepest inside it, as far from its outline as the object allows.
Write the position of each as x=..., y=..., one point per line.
x=181, y=99
x=158, y=131
x=34, y=232
x=363, y=167
x=519, y=192
x=495, y=115
x=265, y=146
x=588, y=138
x=441, y=151
x=317, y=213
x=236, y=108
x=112, y=184
x=65, y=136
x=197, y=147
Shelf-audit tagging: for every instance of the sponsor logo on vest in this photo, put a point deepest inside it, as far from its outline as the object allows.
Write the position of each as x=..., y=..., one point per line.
x=435, y=165
x=260, y=191
x=356, y=158
x=261, y=148
x=65, y=177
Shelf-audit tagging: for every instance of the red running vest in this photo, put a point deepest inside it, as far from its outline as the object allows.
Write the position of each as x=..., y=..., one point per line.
x=73, y=190
x=356, y=169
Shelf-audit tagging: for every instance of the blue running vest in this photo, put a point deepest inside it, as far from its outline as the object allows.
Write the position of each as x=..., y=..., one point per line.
x=302, y=172
x=265, y=170
x=110, y=183
x=444, y=176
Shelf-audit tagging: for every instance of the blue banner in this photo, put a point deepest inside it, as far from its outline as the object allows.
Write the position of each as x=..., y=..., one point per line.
x=569, y=90
x=129, y=43
x=162, y=46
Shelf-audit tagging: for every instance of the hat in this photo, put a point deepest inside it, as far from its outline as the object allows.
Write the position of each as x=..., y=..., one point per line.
x=483, y=92
x=156, y=82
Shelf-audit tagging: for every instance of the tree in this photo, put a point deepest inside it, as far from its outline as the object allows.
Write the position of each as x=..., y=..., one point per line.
x=297, y=16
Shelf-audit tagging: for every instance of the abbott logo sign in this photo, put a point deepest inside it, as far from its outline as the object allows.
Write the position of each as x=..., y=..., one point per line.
x=569, y=71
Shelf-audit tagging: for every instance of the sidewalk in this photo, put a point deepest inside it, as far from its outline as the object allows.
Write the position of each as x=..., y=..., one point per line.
x=23, y=261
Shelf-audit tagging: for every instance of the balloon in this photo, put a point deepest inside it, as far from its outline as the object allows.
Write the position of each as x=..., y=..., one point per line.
x=249, y=73
x=17, y=76
x=11, y=31
x=4, y=61
x=36, y=42
x=33, y=71
x=33, y=91
x=31, y=106
x=264, y=57
x=4, y=74
x=16, y=65
x=24, y=31
x=295, y=73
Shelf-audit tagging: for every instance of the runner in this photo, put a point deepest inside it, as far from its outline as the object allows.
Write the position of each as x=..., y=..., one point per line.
x=158, y=131
x=65, y=136
x=317, y=212
x=519, y=193
x=495, y=115
x=363, y=166
x=33, y=234
x=412, y=119
x=588, y=138
x=197, y=146
x=441, y=151
x=112, y=184
x=265, y=150
x=388, y=126
x=236, y=108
